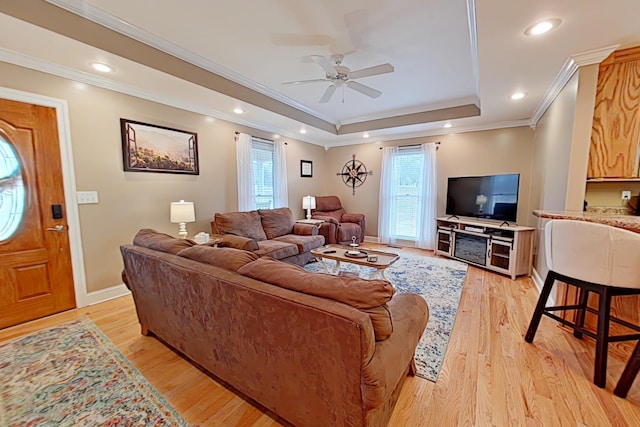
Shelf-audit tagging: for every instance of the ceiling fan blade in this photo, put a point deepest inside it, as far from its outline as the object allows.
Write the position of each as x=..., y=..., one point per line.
x=299, y=82
x=327, y=94
x=323, y=63
x=365, y=90
x=372, y=71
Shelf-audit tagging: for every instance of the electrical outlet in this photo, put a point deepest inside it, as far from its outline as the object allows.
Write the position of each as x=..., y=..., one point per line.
x=626, y=195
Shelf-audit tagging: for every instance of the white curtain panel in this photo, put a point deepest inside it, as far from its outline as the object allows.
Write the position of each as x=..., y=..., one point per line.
x=246, y=197
x=281, y=193
x=386, y=213
x=428, y=208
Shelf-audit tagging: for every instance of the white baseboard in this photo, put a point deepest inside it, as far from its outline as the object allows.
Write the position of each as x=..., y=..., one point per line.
x=371, y=239
x=539, y=282
x=106, y=294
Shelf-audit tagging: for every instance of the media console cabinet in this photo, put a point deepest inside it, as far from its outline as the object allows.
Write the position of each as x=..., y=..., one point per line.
x=506, y=249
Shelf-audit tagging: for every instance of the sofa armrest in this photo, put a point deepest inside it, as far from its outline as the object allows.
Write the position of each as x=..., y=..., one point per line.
x=233, y=241
x=394, y=355
x=305, y=229
x=352, y=217
x=325, y=218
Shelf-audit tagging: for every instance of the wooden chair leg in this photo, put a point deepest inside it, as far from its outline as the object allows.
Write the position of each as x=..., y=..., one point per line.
x=584, y=298
x=542, y=302
x=413, y=370
x=629, y=374
x=602, y=338
x=144, y=331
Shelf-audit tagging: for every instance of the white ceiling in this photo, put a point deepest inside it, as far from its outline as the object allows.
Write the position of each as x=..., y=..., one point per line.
x=445, y=53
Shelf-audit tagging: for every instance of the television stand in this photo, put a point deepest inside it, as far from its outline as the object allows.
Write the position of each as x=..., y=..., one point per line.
x=496, y=247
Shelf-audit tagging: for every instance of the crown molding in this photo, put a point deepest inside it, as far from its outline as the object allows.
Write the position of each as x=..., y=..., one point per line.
x=570, y=66
x=99, y=16
x=473, y=36
x=469, y=100
x=433, y=132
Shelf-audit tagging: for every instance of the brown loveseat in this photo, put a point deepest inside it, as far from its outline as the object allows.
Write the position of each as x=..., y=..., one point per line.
x=271, y=232
x=317, y=350
x=339, y=226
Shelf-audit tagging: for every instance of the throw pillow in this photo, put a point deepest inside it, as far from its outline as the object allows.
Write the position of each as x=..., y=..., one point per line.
x=162, y=242
x=246, y=224
x=227, y=258
x=276, y=222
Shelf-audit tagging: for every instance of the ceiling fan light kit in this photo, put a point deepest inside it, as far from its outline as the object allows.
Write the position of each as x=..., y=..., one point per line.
x=340, y=76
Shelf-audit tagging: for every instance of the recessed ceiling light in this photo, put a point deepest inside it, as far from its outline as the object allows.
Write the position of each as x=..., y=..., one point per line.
x=103, y=68
x=518, y=95
x=303, y=130
x=365, y=135
x=238, y=110
x=542, y=27
x=447, y=125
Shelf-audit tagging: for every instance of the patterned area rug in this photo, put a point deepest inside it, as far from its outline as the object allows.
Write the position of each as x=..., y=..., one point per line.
x=72, y=375
x=439, y=281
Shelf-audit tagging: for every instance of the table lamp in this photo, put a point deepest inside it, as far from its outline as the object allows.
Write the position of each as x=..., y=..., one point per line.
x=181, y=213
x=481, y=199
x=308, y=203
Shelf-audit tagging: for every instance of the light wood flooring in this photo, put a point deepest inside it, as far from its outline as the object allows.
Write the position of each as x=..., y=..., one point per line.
x=490, y=377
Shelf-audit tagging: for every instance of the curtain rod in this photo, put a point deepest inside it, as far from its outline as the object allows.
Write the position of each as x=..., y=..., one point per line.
x=259, y=139
x=415, y=145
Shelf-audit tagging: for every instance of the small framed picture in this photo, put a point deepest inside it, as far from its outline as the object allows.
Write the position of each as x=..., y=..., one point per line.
x=306, y=168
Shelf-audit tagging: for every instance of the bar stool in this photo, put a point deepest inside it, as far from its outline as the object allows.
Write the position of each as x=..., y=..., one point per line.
x=594, y=258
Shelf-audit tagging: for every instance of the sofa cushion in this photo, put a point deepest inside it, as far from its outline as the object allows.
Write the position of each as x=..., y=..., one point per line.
x=227, y=258
x=366, y=295
x=304, y=243
x=246, y=224
x=276, y=249
x=276, y=222
x=233, y=241
x=162, y=242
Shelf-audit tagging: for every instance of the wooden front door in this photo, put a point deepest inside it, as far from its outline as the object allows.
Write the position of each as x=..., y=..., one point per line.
x=36, y=277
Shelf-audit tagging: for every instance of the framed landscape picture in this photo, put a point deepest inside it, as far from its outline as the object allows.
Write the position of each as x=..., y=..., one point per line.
x=152, y=148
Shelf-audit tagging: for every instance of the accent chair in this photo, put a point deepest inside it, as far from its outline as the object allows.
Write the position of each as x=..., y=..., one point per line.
x=339, y=226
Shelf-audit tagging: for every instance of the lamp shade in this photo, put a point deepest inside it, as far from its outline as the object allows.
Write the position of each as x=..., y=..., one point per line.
x=481, y=199
x=308, y=202
x=182, y=212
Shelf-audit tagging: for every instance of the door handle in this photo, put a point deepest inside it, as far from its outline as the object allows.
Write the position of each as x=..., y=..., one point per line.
x=57, y=228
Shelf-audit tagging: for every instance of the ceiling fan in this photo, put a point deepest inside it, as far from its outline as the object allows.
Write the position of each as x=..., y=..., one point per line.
x=341, y=76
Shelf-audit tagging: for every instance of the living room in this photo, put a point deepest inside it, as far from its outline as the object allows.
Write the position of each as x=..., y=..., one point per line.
x=550, y=155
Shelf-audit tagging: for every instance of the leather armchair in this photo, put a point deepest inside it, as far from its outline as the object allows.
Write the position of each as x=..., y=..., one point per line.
x=339, y=226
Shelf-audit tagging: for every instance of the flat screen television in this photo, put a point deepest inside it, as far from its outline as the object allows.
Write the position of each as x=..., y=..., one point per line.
x=491, y=196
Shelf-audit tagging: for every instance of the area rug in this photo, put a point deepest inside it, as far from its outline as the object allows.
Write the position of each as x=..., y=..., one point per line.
x=439, y=281
x=72, y=375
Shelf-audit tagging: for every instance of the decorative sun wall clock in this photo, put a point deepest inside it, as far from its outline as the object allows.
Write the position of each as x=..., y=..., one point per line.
x=354, y=173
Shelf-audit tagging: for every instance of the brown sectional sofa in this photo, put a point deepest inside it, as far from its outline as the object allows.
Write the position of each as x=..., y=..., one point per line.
x=317, y=350
x=271, y=232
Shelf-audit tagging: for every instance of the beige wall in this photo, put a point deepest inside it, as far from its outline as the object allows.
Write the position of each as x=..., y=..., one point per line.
x=561, y=152
x=130, y=201
x=474, y=153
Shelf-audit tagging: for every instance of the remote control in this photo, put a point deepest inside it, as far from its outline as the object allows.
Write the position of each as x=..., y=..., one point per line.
x=330, y=251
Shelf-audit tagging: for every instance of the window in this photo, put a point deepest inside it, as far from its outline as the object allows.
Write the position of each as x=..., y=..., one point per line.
x=262, y=165
x=12, y=191
x=406, y=192
x=262, y=173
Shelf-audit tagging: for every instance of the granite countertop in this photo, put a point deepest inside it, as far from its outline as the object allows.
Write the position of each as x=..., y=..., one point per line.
x=629, y=222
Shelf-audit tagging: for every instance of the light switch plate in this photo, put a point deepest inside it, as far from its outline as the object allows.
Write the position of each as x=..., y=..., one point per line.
x=87, y=197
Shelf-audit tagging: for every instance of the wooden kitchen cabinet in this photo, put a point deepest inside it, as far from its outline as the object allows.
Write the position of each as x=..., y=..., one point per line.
x=615, y=136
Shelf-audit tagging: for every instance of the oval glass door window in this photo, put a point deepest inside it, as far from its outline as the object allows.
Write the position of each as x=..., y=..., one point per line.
x=11, y=191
